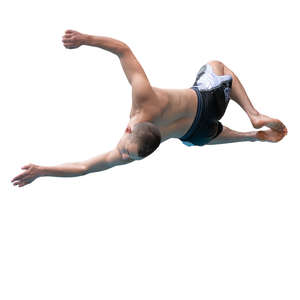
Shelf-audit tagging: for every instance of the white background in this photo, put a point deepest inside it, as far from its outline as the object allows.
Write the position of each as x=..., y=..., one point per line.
x=212, y=222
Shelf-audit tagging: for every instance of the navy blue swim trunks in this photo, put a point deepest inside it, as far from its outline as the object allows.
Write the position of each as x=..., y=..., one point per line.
x=213, y=93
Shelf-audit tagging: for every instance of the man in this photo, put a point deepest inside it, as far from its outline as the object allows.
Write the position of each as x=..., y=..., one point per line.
x=191, y=114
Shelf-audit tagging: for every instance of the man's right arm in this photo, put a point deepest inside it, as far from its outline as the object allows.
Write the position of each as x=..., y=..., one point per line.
x=133, y=70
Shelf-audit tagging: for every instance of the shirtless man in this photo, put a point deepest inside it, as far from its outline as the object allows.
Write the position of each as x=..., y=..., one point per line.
x=191, y=114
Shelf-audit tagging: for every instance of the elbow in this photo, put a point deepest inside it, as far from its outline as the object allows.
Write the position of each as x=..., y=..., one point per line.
x=123, y=49
x=84, y=170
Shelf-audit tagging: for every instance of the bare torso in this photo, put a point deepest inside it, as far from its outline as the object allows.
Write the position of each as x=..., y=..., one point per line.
x=171, y=110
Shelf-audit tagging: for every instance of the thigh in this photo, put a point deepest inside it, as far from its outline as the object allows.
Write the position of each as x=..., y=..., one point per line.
x=215, y=102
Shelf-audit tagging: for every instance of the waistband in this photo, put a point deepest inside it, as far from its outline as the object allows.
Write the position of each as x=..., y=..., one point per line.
x=198, y=114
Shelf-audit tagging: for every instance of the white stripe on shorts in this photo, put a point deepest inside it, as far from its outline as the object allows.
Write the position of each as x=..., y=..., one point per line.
x=210, y=80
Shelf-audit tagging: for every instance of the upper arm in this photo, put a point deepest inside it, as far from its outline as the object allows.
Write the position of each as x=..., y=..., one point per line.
x=135, y=74
x=105, y=161
x=114, y=158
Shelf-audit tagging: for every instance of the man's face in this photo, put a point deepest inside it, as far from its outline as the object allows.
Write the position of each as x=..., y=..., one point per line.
x=128, y=149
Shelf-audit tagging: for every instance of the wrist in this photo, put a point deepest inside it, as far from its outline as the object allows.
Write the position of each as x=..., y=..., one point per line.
x=86, y=39
x=42, y=171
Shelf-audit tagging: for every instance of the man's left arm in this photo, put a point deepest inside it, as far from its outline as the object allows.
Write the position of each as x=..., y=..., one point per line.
x=133, y=70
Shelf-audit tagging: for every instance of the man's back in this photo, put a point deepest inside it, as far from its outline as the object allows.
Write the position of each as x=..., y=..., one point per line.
x=171, y=110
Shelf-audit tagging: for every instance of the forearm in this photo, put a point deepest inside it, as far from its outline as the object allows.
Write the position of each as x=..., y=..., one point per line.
x=115, y=46
x=97, y=163
x=64, y=170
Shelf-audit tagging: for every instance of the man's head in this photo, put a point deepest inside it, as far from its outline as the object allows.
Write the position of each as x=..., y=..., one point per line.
x=140, y=141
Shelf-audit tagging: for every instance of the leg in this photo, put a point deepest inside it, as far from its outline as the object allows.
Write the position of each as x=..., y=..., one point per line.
x=239, y=95
x=230, y=136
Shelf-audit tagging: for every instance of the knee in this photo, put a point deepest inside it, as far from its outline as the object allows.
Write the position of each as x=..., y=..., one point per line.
x=216, y=63
x=217, y=66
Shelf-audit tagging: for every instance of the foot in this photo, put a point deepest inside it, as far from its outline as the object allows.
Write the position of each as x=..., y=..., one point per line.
x=261, y=120
x=270, y=135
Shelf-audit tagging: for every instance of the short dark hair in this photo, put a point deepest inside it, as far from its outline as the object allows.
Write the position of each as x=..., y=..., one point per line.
x=147, y=137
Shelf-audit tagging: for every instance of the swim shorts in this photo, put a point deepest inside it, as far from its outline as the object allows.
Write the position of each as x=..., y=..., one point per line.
x=213, y=94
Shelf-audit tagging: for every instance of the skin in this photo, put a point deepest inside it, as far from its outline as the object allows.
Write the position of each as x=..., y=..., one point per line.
x=171, y=110
x=129, y=150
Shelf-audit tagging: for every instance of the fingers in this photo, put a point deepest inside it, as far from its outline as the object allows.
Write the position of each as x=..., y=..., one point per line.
x=26, y=167
x=19, y=176
x=24, y=177
x=69, y=46
x=68, y=42
x=67, y=39
x=30, y=174
x=71, y=39
x=69, y=31
x=19, y=183
x=68, y=35
x=22, y=182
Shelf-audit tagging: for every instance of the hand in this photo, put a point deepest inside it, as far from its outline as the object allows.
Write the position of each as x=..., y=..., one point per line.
x=32, y=172
x=72, y=39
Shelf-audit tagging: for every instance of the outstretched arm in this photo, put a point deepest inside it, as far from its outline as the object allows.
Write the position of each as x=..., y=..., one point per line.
x=133, y=70
x=95, y=164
